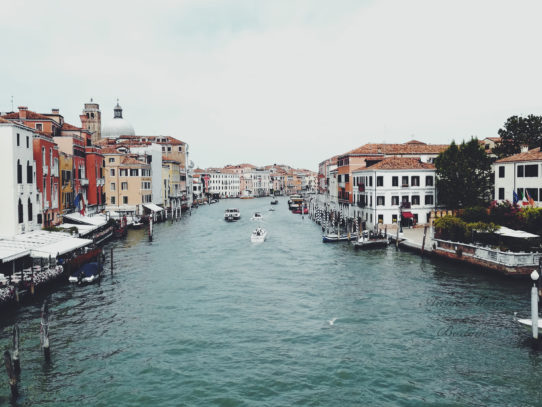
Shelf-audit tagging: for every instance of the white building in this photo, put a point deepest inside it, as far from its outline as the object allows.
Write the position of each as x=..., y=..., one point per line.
x=154, y=152
x=520, y=173
x=20, y=200
x=224, y=183
x=261, y=182
x=394, y=188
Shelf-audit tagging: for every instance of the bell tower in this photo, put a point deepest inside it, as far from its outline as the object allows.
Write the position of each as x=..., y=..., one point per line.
x=91, y=120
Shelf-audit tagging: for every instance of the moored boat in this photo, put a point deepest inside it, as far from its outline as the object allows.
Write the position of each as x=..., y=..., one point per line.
x=87, y=273
x=334, y=237
x=370, y=241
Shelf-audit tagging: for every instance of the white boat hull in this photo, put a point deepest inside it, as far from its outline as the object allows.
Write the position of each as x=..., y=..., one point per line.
x=255, y=238
x=528, y=324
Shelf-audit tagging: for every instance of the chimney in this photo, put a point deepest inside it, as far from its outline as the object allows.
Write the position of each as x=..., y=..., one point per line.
x=55, y=111
x=524, y=148
x=22, y=112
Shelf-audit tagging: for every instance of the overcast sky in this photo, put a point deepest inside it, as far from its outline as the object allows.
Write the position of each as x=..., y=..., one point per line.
x=288, y=81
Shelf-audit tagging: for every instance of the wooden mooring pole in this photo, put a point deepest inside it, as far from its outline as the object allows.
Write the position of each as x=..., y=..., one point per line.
x=424, y=235
x=111, y=257
x=11, y=374
x=397, y=238
x=16, y=361
x=44, y=331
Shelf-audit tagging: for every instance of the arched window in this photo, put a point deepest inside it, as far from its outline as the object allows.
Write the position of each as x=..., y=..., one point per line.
x=20, y=207
x=29, y=175
x=19, y=172
x=29, y=210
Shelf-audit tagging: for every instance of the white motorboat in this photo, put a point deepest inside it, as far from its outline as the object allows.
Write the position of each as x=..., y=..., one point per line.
x=528, y=324
x=257, y=216
x=259, y=235
x=369, y=240
x=232, y=215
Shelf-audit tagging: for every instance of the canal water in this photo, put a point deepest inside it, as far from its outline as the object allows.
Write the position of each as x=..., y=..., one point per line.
x=203, y=317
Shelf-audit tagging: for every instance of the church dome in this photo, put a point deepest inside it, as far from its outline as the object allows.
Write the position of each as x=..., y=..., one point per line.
x=117, y=126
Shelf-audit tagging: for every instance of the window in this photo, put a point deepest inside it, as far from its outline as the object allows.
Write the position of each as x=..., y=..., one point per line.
x=395, y=200
x=370, y=179
x=18, y=139
x=380, y=201
x=520, y=171
x=112, y=186
x=380, y=181
x=429, y=199
x=20, y=210
x=393, y=218
x=124, y=186
x=112, y=172
x=531, y=170
x=429, y=181
x=29, y=210
x=27, y=142
x=380, y=218
x=125, y=200
x=112, y=200
x=394, y=181
x=415, y=199
x=346, y=177
x=404, y=181
x=19, y=172
x=415, y=181
x=39, y=126
x=123, y=172
x=501, y=171
x=134, y=172
x=111, y=159
x=169, y=149
x=371, y=201
x=339, y=178
x=180, y=149
x=501, y=192
x=29, y=175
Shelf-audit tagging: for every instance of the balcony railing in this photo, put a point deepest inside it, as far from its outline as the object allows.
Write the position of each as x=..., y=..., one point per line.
x=404, y=186
x=361, y=204
x=83, y=181
x=45, y=170
x=20, y=188
x=100, y=182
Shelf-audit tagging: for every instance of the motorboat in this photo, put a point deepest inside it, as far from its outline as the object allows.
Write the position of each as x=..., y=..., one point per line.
x=259, y=235
x=369, y=240
x=232, y=215
x=87, y=274
x=335, y=237
x=275, y=202
x=136, y=223
x=257, y=216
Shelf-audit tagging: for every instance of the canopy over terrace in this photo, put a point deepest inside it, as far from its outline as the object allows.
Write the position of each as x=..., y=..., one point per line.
x=83, y=230
x=153, y=207
x=44, y=244
x=96, y=220
x=507, y=232
x=10, y=251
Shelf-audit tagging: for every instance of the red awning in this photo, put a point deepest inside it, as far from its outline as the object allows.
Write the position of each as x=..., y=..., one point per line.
x=407, y=214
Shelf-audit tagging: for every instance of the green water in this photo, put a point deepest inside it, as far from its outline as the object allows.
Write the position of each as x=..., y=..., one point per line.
x=203, y=317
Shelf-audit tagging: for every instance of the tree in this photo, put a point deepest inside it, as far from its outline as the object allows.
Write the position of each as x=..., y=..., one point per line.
x=518, y=131
x=463, y=175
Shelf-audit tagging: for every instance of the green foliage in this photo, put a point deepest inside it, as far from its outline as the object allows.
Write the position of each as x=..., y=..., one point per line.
x=464, y=177
x=532, y=219
x=457, y=230
x=518, y=131
x=475, y=214
x=506, y=214
x=71, y=231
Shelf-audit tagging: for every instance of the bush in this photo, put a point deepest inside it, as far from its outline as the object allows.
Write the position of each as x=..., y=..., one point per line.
x=451, y=228
x=532, y=219
x=475, y=214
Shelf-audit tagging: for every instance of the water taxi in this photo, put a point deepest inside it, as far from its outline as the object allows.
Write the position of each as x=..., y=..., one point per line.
x=232, y=215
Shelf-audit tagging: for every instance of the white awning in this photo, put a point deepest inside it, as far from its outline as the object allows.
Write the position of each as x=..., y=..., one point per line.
x=96, y=220
x=83, y=230
x=60, y=247
x=10, y=251
x=153, y=207
x=504, y=231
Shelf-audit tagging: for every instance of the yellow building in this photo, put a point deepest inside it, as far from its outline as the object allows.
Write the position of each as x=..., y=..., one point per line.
x=171, y=182
x=65, y=164
x=128, y=182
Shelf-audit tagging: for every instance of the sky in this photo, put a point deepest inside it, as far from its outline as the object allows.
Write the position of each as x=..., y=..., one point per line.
x=282, y=81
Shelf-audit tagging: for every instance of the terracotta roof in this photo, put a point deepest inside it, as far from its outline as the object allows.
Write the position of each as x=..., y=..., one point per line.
x=110, y=150
x=401, y=163
x=494, y=139
x=30, y=115
x=67, y=126
x=532, y=155
x=397, y=149
x=2, y=120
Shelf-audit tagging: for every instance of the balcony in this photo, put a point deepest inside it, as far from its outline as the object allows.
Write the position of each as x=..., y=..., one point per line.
x=361, y=188
x=100, y=182
x=361, y=204
x=54, y=171
x=45, y=170
x=20, y=189
x=84, y=182
x=404, y=186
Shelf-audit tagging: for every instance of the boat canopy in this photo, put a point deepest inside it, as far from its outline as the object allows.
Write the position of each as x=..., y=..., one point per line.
x=153, y=207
